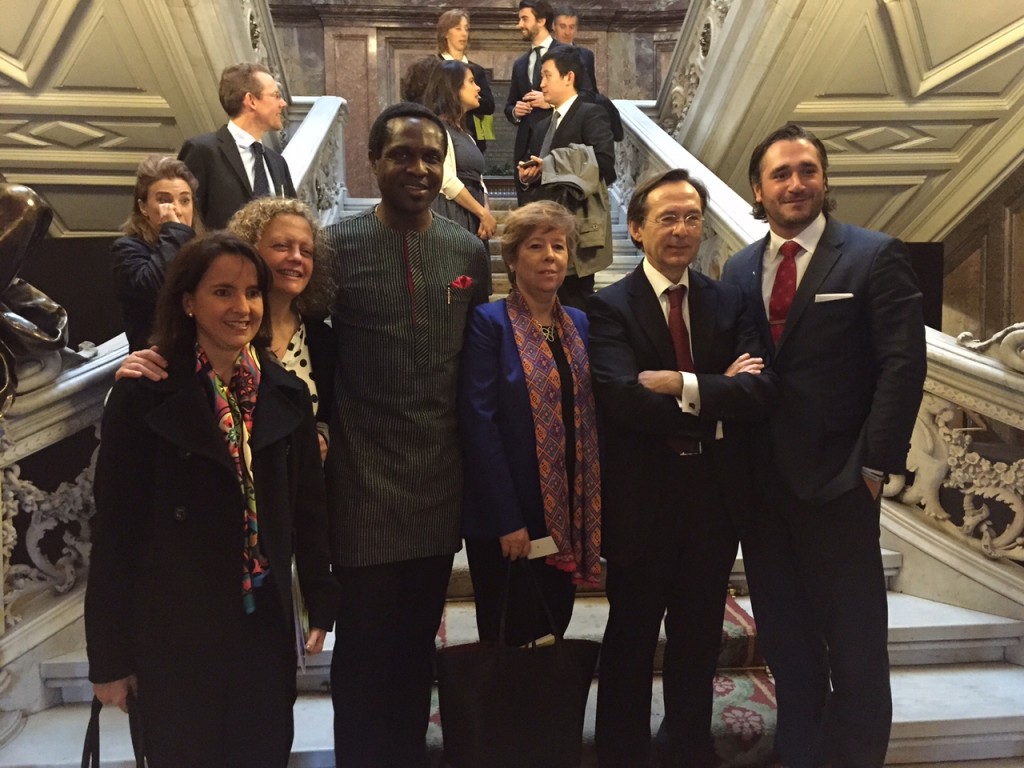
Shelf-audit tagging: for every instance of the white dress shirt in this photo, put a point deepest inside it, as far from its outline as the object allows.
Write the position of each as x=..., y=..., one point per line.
x=807, y=240
x=244, y=139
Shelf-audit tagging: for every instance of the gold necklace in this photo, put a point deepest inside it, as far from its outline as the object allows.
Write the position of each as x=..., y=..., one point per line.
x=548, y=332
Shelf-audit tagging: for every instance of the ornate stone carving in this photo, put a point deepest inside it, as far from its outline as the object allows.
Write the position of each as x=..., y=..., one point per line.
x=942, y=455
x=1007, y=346
x=67, y=512
x=689, y=59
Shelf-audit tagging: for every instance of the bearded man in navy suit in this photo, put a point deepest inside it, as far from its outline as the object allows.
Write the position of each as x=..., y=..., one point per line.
x=842, y=313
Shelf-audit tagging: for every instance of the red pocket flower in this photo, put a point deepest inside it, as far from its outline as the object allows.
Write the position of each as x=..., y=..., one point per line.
x=462, y=281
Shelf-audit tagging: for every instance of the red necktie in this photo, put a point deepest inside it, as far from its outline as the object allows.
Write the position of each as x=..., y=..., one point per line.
x=684, y=360
x=783, y=289
x=676, y=327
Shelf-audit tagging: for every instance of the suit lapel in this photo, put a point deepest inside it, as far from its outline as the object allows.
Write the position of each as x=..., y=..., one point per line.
x=229, y=149
x=651, y=318
x=751, y=278
x=825, y=257
x=703, y=305
x=563, y=127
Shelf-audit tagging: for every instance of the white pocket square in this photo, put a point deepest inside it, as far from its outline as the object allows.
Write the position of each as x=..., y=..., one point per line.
x=820, y=297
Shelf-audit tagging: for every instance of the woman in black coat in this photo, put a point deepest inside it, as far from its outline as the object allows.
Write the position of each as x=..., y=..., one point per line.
x=162, y=220
x=207, y=483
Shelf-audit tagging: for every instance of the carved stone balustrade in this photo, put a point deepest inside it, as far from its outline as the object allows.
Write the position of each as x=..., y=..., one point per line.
x=316, y=155
x=45, y=532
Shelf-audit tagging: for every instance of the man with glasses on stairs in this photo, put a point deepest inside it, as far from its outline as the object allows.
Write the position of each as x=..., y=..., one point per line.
x=662, y=347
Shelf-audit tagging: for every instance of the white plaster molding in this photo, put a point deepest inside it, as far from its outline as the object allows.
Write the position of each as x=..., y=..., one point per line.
x=927, y=74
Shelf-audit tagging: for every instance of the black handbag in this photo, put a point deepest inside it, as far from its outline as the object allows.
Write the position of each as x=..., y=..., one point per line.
x=507, y=707
x=91, y=749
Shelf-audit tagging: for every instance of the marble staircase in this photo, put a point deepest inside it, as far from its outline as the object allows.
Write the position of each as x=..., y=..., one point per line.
x=956, y=701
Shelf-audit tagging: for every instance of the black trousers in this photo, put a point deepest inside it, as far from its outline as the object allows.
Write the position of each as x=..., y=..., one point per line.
x=682, y=576
x=223, y=707
x=818, y=591
x=383, y=665
x=526, y=619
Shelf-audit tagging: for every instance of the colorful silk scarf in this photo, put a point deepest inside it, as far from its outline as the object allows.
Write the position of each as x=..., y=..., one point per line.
x=233, y=407
x=576, y=531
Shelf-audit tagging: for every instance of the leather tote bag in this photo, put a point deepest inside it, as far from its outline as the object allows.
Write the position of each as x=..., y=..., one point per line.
x=508, y=707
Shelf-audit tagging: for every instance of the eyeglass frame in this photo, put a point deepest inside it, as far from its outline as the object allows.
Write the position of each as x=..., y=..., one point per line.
x=692, y=221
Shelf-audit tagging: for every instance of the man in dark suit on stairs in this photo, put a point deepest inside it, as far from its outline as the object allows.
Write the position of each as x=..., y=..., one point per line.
x=526, y=103
x=564, y=29
x=662, y=347
x=232, y=165
x=571, y=121
x=840, y=308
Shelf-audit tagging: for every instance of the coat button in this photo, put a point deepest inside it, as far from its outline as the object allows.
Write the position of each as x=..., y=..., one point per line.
x=184, y=454
x=180, y=513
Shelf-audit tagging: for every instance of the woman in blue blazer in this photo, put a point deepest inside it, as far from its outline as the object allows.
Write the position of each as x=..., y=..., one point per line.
x=526, y=414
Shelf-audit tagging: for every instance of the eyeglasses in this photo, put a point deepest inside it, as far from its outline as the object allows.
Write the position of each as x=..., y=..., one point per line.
x=693, y=221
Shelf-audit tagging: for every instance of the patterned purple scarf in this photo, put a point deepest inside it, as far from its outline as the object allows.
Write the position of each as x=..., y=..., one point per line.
x=576, y=531
x=233, y=406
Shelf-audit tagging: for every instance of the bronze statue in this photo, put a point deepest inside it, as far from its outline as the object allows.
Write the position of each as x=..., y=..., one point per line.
x=32, y=325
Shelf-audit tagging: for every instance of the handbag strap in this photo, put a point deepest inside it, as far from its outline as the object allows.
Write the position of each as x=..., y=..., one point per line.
x=91, y=748
x=524, y=563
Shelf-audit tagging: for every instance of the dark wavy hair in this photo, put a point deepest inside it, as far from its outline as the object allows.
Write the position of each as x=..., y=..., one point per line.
x=788, y=132
x=442, y=93
x=541, y=10
x=380, y=130
x=174, y=332
x=636, y=212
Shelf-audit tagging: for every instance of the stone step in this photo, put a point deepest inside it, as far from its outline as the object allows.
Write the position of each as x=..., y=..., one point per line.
x=921, y=632
x=944, y=716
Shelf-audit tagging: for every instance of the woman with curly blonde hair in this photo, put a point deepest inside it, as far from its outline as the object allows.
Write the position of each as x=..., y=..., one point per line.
x=287, y=236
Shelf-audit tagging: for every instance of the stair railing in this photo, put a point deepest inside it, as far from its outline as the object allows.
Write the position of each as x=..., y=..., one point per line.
x=316, y=155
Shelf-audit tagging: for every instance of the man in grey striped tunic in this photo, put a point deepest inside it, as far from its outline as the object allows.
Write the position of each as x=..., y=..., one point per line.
x=407, y=280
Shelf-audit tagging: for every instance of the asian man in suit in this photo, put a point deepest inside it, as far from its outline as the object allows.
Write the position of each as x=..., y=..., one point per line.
x=575, y=122
x=233, y=165
x=840, y=308
x=664, y=342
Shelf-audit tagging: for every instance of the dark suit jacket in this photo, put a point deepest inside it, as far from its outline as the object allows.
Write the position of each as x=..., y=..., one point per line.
x=583, y=124
x=502, y=490
x=223, y=184
x=628, y=334
x=167, y=547
x=850, y=369
x=588, y=64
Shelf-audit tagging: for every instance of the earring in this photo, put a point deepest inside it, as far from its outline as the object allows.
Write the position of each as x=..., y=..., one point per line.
x=190, y=314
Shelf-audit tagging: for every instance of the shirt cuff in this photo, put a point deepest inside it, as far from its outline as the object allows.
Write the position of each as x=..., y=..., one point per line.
x=873, y=474
x=689, y=401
